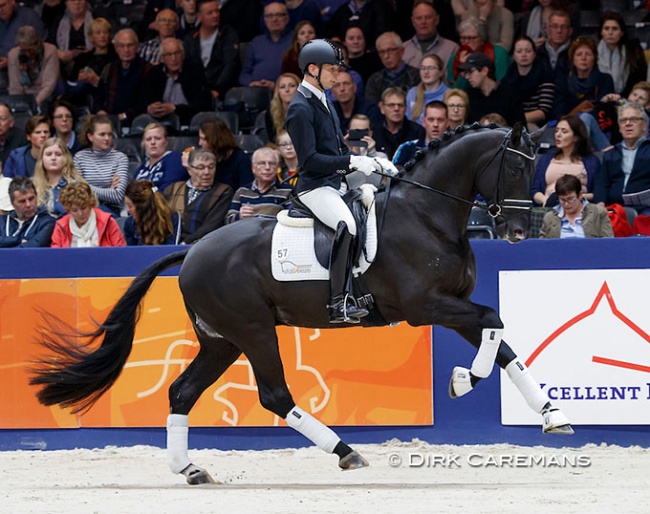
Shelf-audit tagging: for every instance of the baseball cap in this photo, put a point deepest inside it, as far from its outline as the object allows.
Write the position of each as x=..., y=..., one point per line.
x=476, y=60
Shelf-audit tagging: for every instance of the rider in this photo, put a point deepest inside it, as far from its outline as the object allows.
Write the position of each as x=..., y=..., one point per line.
x=323, y=159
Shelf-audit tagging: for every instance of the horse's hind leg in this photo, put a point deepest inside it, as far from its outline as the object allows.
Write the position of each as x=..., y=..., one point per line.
x=263, y=354
x=214, y=358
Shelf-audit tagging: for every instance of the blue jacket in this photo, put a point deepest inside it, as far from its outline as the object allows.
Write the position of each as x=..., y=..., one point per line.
x=609, y=182
x=591, y=162
x=34, y=233
x=133, y=238
x=16, y=165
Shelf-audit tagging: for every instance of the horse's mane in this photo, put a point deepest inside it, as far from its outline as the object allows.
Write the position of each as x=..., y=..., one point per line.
x=435, y=145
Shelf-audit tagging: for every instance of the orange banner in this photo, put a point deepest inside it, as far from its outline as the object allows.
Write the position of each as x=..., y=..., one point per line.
x=356, y=376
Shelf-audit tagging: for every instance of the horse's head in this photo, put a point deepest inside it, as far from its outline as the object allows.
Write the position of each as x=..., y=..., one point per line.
x=510, y=203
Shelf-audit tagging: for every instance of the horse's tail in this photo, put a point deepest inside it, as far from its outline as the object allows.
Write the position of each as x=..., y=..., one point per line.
x=78, y=376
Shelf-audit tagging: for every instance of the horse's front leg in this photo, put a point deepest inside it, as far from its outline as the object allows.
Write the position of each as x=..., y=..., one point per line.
x=482, y=327
x=214, y=358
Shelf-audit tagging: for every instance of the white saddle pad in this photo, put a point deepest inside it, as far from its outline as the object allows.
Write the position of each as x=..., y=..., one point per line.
x=292, y=248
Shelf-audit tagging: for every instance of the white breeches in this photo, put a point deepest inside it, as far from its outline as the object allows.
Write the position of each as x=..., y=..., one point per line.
x=328, y=206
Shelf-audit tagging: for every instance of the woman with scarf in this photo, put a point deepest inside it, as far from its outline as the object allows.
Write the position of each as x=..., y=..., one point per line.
x=585, y=84
x=70, y=33
x=619, y=56
x=535, y=85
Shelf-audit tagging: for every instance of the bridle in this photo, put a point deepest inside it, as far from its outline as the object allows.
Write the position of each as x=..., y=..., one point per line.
x=498, y=207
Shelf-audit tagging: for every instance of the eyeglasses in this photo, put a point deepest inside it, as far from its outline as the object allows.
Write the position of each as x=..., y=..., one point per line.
x=631, y=119
x=456, y=106
x=469, y=38
x=272, y=15
x=567, y=200
x=266, y=163
x=395, y=106
x=62, y=116
x=177, y=53
x=429, y=68
x=387, y=51
x=203, y=167
x=285, y=145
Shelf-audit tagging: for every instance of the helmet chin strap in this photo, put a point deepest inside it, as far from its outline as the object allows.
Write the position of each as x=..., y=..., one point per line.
x=317, y=77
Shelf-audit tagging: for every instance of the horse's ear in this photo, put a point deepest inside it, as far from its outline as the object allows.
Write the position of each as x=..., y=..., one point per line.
x=515, y=137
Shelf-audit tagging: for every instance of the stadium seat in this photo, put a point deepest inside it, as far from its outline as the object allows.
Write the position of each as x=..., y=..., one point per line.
x=171, y=122
x=249, y=142
x=259, y=128
x=231, y=119
x=20, y=104
x=133, y=150
x=481, y=225
x=247, y=102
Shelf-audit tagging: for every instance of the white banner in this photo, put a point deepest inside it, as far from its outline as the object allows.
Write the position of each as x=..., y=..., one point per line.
x=585, y=335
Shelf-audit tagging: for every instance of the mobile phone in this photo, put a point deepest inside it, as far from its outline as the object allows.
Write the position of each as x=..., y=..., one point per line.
x=358, y=134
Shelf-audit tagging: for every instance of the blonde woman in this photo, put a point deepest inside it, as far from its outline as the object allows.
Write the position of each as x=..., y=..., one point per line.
x=54, y=170
x=430, y=88
x=285, y=87
x=457, y=103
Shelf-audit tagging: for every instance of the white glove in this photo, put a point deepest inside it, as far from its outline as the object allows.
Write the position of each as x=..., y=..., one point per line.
x=364, y=164
x=383, y=165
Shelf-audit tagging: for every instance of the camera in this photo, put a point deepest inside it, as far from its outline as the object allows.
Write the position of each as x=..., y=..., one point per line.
x=356, y=136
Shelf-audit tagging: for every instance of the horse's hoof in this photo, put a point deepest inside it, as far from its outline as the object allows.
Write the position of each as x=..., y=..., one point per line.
x=353, y=461
x=556, y=423
x=460, y=383
x=197, y=476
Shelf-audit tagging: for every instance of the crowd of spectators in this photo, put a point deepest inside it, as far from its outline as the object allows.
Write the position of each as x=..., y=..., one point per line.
x=413, y=70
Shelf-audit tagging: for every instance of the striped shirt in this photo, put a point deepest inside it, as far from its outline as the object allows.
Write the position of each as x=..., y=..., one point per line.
x=543, y=99
x=268, y=203
x=98, y=168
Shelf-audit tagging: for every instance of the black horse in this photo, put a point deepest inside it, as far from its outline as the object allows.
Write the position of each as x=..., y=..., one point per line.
x=424, y=273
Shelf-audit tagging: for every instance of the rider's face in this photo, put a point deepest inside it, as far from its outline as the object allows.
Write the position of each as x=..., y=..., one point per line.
x=328, y=75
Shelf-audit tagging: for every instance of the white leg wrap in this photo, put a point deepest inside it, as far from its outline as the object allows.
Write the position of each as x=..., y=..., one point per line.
x=323, y=437
x=487, y=352
x=528, y=387
x=177, y=430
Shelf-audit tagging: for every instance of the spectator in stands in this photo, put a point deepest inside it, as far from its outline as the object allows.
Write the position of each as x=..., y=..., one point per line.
x=366, y=145
x=498, y=21
x=534, y=23
x=457, y=103
x=188, y=20
x=22, y=160
x=395, y=73
x=201, y=201
x=263, y=62
x=215, y=47
x=585, y=84
x=573, y=156
x=177, y=86
x=33, y=66
x=305, y=10
x=233, y=165
x=473, y=38
x=166, y=25
x=84, y=225
x=493, y=118
x=361, y=59
x=121, y=80
x=26, y=226
x=347, y=103
x=356, y=78
x=425, y=20
x=436, y=123
x=374, y=17
x=265, y=196
x=554, y=52
x=243, y=16
x=54, y=170
x=285, y=87
x=87, y=67
x=162, y=166
x=304, y=31
x=287, y=171
x=619, y=56
x=63, y=122
x=626, y=167
x=10, y=137
x=150, y=221
x=532, y=80
x=395, y=128
x=13, y=17
x=430, y=88
x=574, y=216
x=103, y=167
x=70, y=34
x=147, y=25
x=50, y=11
x=486, y=94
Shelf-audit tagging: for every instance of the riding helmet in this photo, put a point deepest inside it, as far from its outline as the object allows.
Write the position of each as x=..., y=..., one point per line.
x=320, y=51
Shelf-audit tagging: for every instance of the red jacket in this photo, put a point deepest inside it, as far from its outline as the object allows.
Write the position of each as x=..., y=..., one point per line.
x=108, y=229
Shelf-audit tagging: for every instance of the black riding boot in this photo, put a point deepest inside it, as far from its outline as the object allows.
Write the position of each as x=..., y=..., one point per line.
x=342, y=307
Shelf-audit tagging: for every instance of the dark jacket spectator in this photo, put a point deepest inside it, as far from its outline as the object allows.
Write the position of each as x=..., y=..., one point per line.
x=374, y=17
x=26, y=226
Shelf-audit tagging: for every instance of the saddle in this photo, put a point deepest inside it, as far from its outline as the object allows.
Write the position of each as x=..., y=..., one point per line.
x=302, y=244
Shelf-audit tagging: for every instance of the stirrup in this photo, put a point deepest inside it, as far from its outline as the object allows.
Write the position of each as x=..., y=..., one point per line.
x=343, y=309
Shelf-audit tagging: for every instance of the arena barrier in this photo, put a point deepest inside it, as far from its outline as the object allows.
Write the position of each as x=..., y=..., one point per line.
x=574, y=311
